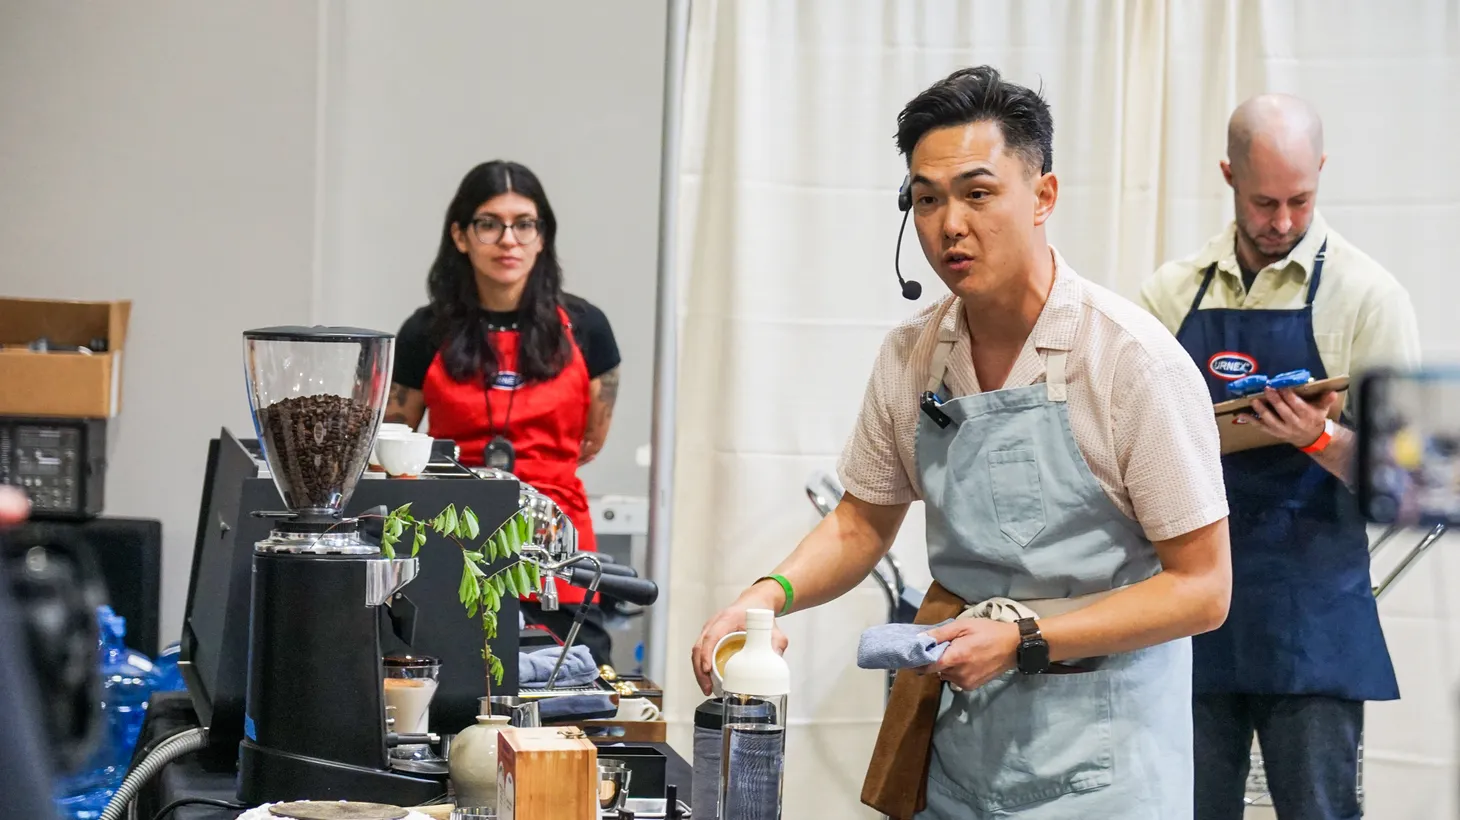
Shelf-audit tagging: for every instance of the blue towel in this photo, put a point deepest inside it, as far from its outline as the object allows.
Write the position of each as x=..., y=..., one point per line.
x=533, y=668
x=898, y=646
x=574, y=707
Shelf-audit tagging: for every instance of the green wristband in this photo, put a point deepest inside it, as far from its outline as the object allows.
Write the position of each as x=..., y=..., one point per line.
x=786, y=587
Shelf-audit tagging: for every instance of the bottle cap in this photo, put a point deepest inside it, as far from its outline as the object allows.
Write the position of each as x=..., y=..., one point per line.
x=759, y=619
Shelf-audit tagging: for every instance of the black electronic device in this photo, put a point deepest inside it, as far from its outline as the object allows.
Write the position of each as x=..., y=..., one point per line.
x=60, y=463
x=1408, y=442
x=55, y=587
x=214, y=653
x=127, y=553
x=1033, y=652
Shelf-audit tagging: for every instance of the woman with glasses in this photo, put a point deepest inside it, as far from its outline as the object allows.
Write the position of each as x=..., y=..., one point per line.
x=521, y=375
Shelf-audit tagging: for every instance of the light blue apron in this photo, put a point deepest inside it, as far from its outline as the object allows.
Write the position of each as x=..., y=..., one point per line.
x=1014, y=511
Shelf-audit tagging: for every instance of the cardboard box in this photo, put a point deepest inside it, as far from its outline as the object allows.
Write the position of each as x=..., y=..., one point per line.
x=546, y=773
x=61, y=383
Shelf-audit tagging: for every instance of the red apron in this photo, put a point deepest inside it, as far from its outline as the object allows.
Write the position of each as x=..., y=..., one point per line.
x=546, y=426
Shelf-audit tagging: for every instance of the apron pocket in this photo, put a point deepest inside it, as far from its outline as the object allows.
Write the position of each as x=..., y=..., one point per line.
x=1018, y=497
x=1025, y=739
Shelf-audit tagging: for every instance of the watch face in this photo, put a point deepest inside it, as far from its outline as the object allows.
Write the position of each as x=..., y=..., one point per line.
x=1033, y=657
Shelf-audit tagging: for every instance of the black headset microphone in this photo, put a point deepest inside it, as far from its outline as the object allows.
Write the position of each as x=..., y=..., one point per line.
x=910, y=289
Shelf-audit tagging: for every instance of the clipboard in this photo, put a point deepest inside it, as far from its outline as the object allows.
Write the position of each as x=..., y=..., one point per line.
x=1239, y=431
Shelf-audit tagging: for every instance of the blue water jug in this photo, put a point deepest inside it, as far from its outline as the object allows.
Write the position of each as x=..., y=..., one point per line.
x=128, y=680
x=167, y=677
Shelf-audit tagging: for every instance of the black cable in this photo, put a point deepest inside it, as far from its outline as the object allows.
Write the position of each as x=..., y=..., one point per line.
x=196, y=801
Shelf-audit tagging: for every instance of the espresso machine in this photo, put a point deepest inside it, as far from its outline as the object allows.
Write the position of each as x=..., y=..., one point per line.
x=315, y=722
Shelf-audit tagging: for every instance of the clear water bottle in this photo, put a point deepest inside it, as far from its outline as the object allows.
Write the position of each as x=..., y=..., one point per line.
x=128, y=679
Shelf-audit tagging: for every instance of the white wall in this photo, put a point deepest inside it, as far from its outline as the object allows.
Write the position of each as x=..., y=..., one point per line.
x=163, y=152
x=234, y=165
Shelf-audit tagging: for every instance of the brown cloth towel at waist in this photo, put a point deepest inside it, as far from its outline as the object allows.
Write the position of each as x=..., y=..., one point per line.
x=897, y=779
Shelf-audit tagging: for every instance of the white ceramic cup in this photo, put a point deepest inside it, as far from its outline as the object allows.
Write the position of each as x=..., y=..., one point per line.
x=387, y=428
x=724, y=648
x=637, y=709
x=404, y=455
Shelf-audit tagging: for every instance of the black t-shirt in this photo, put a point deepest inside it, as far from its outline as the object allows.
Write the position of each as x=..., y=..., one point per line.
x=416, y=346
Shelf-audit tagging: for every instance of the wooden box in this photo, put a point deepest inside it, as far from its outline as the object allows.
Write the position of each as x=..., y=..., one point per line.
x=546, y=773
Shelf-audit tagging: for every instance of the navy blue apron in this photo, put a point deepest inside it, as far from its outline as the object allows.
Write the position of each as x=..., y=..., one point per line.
x=1303, y=619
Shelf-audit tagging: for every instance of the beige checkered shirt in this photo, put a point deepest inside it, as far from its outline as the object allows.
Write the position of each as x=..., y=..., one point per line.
x=1139, y=410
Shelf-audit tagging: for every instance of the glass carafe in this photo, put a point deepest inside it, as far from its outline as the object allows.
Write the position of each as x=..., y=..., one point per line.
x=317, y=395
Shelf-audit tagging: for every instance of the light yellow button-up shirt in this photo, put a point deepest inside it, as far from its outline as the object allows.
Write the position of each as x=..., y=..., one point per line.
x=1362, y=316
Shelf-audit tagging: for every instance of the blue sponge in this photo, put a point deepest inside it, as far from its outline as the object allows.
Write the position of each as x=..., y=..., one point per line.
x=1247, y=386
x=1292, y=378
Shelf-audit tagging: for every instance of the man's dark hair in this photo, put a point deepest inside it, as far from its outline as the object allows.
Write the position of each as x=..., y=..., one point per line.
x=979, y=94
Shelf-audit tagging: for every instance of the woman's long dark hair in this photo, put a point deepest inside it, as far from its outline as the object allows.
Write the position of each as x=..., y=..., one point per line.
x=459, y=321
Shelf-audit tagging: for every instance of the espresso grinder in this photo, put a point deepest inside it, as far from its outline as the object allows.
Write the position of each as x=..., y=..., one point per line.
x=315, y=723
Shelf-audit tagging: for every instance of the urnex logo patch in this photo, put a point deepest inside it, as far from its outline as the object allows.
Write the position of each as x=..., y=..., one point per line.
x=1231, y=366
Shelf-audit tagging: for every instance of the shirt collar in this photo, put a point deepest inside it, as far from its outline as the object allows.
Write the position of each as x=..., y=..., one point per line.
x=1223, y=250
x=1058, y=321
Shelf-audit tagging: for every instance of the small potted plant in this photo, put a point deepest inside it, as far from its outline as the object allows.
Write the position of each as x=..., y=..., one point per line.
x=473, y=759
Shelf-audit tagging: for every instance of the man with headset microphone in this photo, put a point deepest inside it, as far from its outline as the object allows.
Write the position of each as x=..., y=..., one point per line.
x=1064, y=445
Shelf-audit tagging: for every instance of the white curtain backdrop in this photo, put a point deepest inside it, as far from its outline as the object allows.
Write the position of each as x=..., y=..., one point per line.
x=788, y=183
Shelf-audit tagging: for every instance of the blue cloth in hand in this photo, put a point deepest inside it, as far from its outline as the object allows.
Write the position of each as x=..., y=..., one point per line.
x=534, y=668
x=899, y=646
x=574, y=707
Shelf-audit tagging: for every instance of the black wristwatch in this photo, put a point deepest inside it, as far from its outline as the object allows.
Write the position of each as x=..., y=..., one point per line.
x=1033, y=654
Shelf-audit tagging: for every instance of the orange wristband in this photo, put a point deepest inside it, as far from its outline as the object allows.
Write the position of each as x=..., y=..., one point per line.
x=1324, y=439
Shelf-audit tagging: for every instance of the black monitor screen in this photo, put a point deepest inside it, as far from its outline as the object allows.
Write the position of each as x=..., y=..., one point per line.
x=210, y=592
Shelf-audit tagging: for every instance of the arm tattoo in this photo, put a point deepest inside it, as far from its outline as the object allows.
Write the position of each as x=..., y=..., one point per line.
x=395, y=407
x=608, y=388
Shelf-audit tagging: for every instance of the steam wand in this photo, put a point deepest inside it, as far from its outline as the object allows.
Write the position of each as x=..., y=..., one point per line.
x=548, y=570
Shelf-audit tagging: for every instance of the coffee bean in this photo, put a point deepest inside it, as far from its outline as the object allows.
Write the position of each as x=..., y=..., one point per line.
x=318, y=446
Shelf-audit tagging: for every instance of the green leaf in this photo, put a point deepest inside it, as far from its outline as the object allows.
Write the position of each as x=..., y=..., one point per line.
x=489, y=623
x=499, y=585
x=514, y=535
x=461, y=589
x=524, y=585
x=476, y=571
x=499, y=545
x=493, y=600
x=402, y=509
x=449, y=521
x=524, y=529
x=471, y=609
x=533, y=578
x=387, y=547
x=417, y=540
x=469, y=519
x=474, y=557
x=394, y=526
x=509, y=579
x=497, y=671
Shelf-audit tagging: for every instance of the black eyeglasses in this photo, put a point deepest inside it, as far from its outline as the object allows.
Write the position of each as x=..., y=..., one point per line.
x=489, y=230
